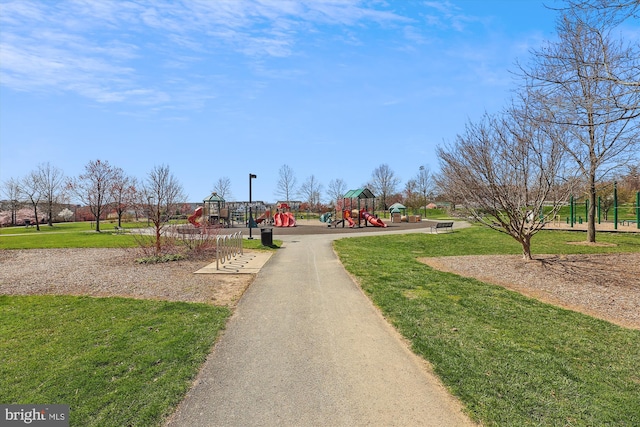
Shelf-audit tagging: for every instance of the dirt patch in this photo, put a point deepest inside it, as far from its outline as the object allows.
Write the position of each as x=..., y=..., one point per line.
x=606, y=286
x=114, y=272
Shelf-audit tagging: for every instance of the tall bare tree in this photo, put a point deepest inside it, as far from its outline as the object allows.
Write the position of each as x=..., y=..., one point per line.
x=411, y=195
x=93, y=187
x=425, y=184
x=11, y=190
x=286, y=187
x=336, y=189
x=590, y=82
x=311, y=190
x=123, y=192
x=505, y=168
x=31, y=189
x=223, y=187
x=53, y=185
x=384, y=182
x=164, y=194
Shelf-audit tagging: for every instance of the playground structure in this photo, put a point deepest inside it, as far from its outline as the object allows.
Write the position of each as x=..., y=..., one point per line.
x=213, y=212
x=575, y=213
x=377, y=222
x=265, y=218
x=284, y=217
x=349, y=211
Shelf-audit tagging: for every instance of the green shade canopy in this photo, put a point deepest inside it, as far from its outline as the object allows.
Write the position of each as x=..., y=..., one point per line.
x=214, y=198
x=361, y=193
x=397, y=207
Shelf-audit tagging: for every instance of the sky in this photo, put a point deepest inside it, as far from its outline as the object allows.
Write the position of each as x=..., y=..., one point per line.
x=228, y=88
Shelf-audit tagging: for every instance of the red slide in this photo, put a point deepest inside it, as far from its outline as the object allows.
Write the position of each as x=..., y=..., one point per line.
x=347, y=216
x=194, y=217
x=292, y=219
x=373, y=220
x=284, y=219
x=262, y=217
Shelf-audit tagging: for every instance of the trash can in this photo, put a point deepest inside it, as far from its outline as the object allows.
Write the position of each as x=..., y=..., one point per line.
x=266, y=236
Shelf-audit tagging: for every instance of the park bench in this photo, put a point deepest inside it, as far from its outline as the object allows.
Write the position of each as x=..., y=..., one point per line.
x=443, y=226
x=119, y=230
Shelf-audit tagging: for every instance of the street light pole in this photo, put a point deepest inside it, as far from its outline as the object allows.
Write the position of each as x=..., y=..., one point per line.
x=251, y=176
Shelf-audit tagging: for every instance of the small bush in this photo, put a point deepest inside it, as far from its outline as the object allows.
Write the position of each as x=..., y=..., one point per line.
x=160, y=258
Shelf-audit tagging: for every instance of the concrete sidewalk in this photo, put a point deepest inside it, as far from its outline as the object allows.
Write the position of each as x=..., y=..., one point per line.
x=306, y=347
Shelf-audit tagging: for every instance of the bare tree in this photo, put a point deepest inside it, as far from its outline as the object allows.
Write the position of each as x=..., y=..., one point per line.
x=31, y=189
x=384, y=183
x=445, y=190
x=605, y=12
x=123, y=191
x=53, y=185
x=93, y=187
x=505, y=168
x=336, y=190
x=286, y=183
x=223, y=187
x=11, y=190
x=424, y=185
x=163, y=194
x=589, y=82
x=311, y=190
x=411, y=194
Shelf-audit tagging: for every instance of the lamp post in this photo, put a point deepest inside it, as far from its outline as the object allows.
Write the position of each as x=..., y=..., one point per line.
x=251, y=176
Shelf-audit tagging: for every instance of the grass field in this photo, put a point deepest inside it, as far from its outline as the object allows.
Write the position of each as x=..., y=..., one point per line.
x=79, y=235
x=510, y=359
x=116, y=362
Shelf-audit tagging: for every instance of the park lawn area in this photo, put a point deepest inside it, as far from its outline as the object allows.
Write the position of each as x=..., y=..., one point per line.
x=510, y=359
x=67, y=235
x=81, y=235
x=115, y=361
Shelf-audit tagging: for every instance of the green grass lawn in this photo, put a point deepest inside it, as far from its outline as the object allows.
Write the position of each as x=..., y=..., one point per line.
x=115, y=361
x=82, y=235
x=512, y=361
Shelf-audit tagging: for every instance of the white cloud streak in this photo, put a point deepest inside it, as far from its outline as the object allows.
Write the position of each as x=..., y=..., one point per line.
x=110, y=51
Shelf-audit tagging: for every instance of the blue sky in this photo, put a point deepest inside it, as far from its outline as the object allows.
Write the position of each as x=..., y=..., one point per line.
x=224, y=88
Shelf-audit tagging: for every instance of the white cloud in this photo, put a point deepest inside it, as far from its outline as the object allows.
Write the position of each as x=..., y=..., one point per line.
x=122, y=51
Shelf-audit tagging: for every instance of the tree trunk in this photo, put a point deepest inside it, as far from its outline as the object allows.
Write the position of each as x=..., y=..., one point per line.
x=50, y=214
x=35, y=214
x=525, y=241
x=158, y=242
x=591, y=218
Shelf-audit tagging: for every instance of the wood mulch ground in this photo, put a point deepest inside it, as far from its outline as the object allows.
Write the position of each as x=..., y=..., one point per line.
x=114, y=272
x=606, y=286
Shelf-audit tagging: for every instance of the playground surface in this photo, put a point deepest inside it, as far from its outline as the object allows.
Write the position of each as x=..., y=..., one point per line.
x=606, y=286
x=608, y=226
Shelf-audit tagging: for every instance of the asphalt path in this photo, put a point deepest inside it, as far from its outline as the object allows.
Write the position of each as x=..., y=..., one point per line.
x=306, y=347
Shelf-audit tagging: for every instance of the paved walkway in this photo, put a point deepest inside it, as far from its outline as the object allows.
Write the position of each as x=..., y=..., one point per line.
x=306, y=347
